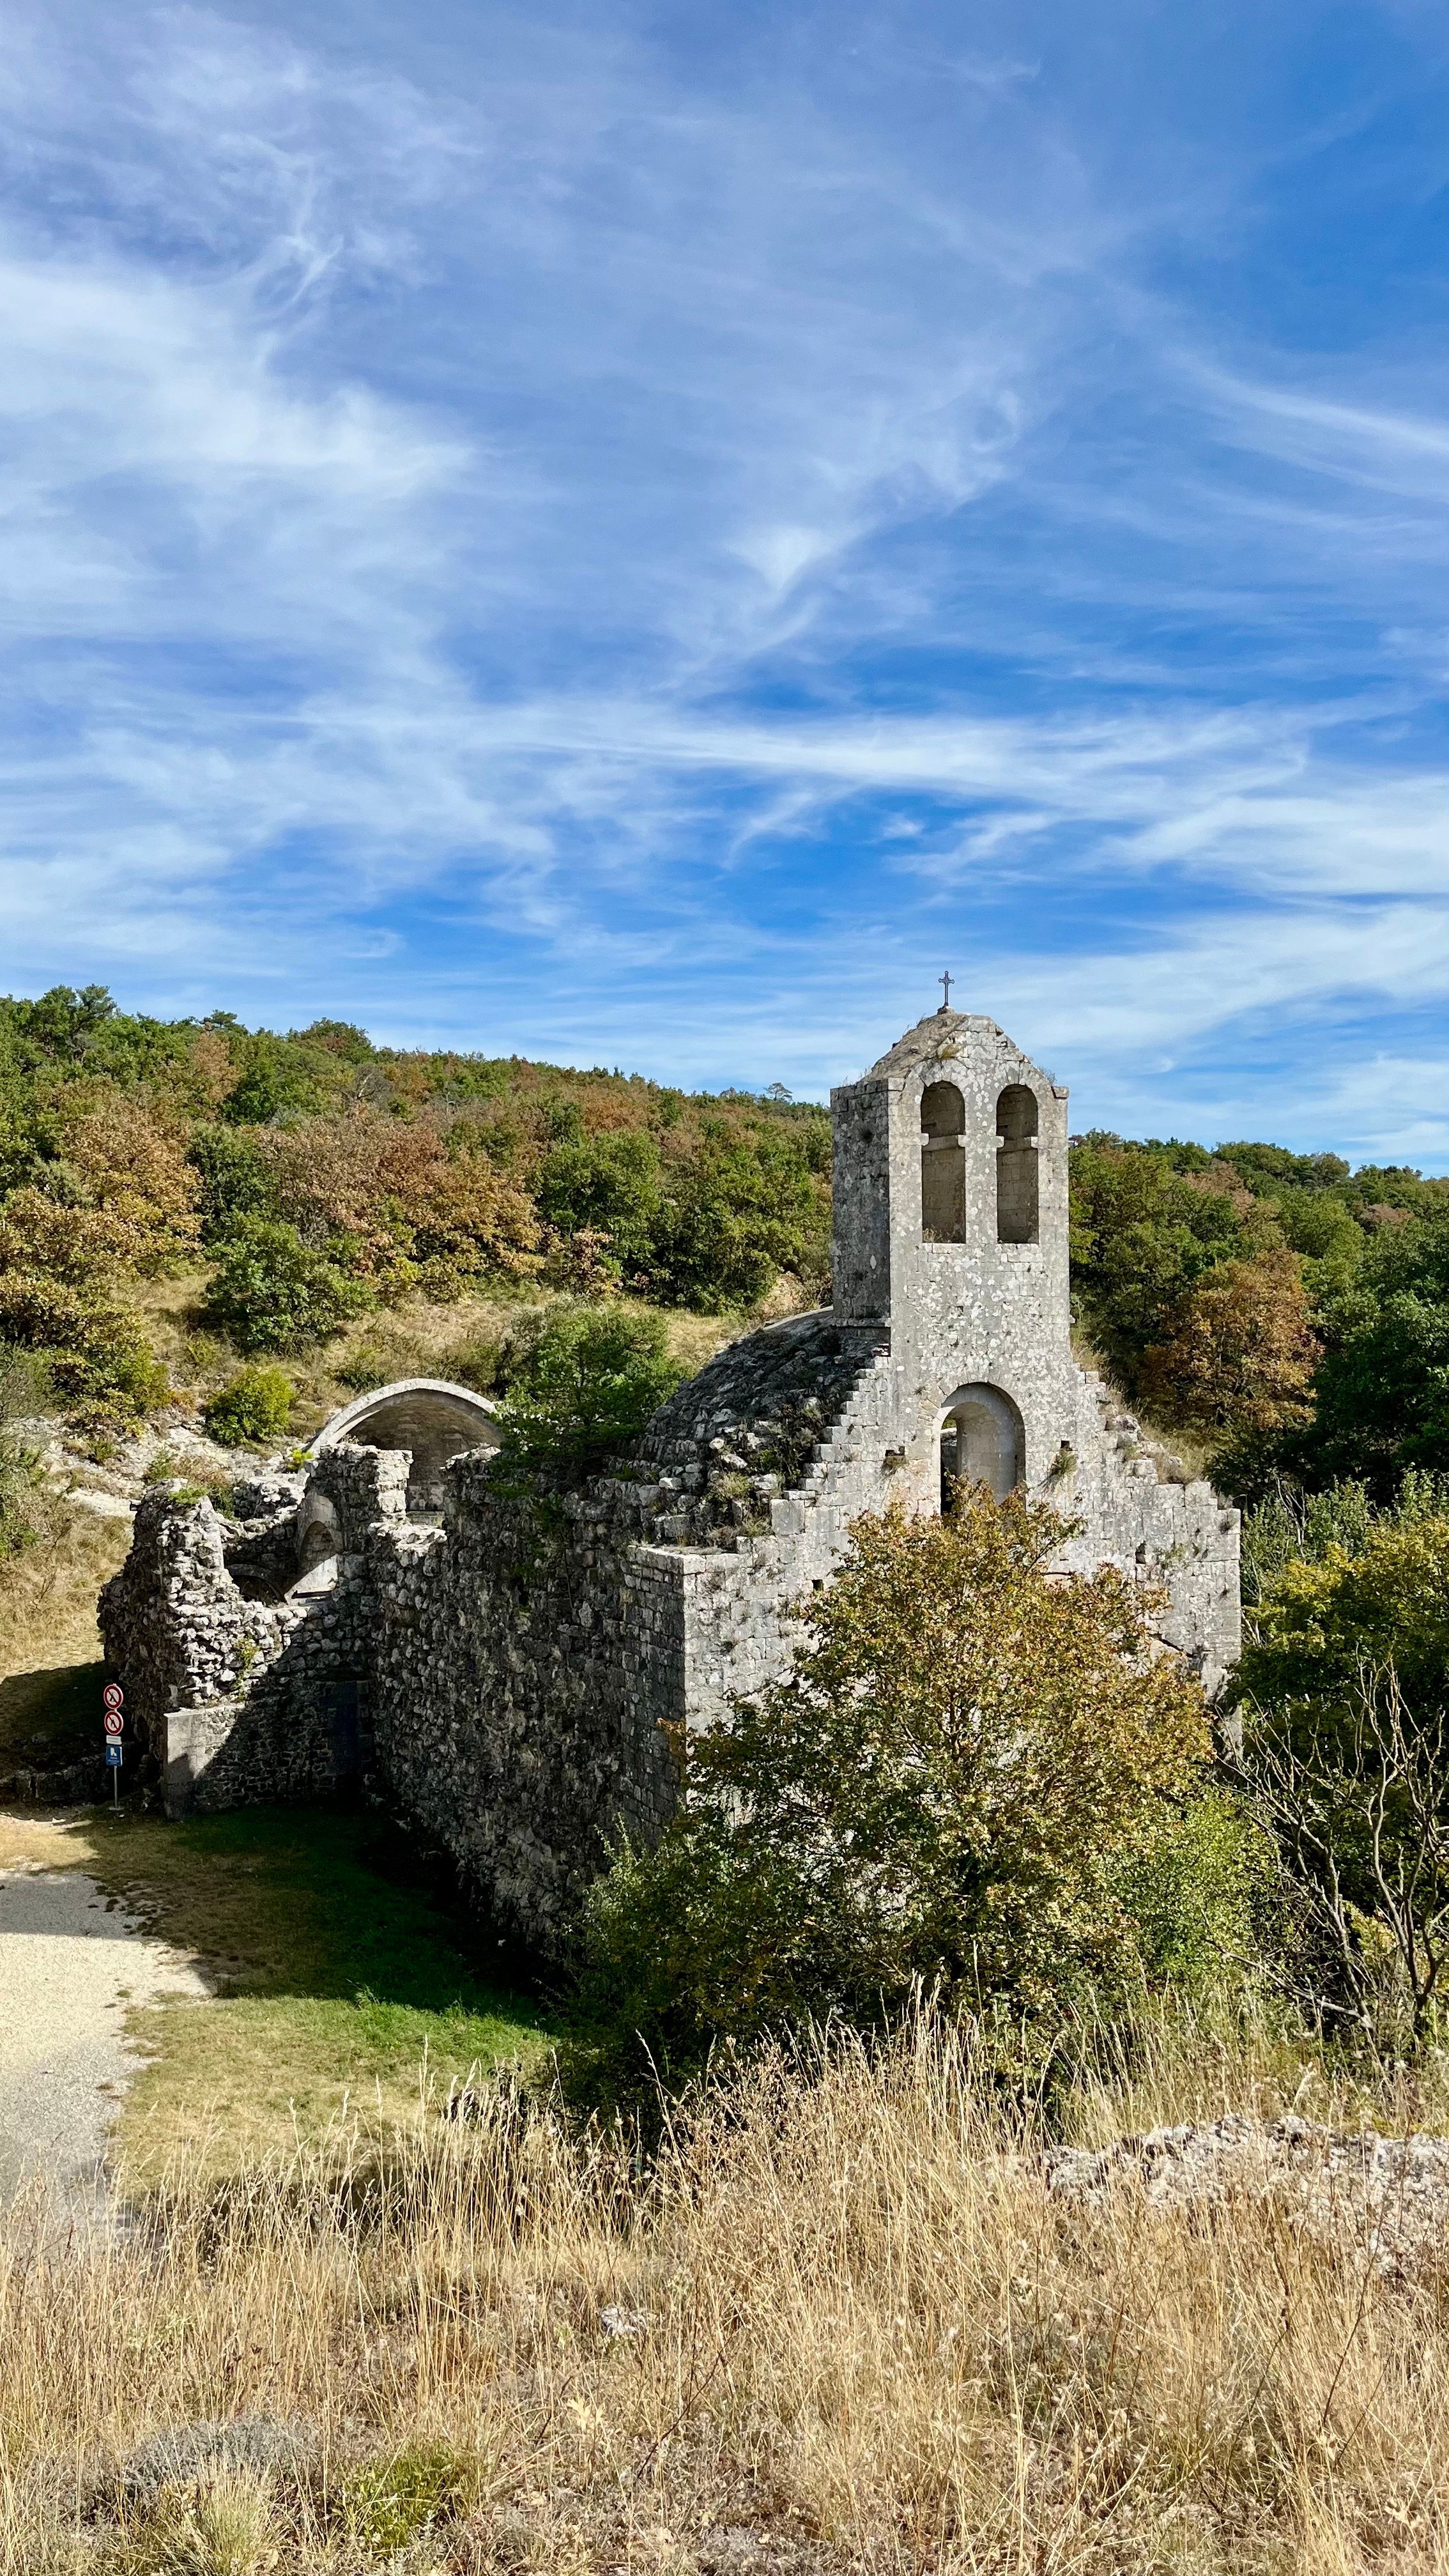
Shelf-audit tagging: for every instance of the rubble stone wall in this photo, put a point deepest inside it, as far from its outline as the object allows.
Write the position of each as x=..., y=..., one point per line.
x=236, y=1700
x=527, y=1669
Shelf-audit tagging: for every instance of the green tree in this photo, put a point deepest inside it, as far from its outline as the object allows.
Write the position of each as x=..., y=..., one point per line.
x=581, y=1382
x=1318, y=1626
x=236, y=1178
x=740, y=1210
x=252, y=1407
x=58, y=1302
x=273, y=1292
x=608, y=1185
x=964, y=1751
x=1144, y=1232
x=1382, y=1393
x=1344, y=1687
x=1239, y=1350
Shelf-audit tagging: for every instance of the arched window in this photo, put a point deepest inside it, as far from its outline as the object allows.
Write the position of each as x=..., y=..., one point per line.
x=982, y=1443
x=1017, y=1209
x=318, y=1534
x=943, y=1164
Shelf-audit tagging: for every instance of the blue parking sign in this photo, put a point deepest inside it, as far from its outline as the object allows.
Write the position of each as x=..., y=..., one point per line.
x=114, y=1754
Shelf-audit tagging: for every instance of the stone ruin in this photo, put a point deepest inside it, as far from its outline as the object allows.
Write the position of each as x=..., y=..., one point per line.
x=515, y=1688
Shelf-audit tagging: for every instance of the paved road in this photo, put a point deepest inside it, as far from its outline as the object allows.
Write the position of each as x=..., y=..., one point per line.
x=70, y=1964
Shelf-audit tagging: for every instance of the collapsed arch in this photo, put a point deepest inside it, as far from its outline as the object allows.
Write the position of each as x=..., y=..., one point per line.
x=983, y=1442
x=943, y=1164
x=437, y=1421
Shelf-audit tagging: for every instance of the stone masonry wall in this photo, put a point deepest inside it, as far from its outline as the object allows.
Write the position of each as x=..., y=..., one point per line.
x=526, y=1674
x=236, y=1700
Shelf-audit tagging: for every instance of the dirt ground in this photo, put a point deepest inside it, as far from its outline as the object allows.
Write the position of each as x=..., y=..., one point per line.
x=72, y=1964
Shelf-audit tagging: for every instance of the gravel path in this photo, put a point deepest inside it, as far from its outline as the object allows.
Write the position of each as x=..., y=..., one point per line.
x=71, y=1962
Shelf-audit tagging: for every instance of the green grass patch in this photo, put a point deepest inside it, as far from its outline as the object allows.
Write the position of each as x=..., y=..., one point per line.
x=345, y=1980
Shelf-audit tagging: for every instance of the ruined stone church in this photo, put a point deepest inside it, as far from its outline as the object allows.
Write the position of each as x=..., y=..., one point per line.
x=516, y=1694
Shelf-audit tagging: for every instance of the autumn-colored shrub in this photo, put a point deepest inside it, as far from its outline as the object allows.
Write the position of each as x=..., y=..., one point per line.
x=54, y=1304
x=96, y=1354
x=1239, y=1352
x=944, y=1790
x=413, y=1214
x=132, y=1167
x=1147, y=1224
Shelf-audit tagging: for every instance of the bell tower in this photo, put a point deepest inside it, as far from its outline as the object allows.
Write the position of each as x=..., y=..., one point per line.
x=951, y=1229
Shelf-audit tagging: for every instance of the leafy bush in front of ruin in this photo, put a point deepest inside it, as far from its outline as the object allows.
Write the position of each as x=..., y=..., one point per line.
x=580, y=1382
x=952, y=1788
x=273, y=1292
x=1344, y=1690
x=1202, y=1888
x=252, y=1407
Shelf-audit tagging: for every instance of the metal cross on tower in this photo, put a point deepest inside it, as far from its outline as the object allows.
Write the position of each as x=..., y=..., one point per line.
x=946, y=990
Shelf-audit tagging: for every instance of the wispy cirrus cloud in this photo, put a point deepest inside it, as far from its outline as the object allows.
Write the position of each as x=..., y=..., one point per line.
x=563, y=536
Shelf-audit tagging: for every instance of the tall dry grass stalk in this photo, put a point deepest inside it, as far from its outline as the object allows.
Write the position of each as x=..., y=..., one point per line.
x=837, y=2323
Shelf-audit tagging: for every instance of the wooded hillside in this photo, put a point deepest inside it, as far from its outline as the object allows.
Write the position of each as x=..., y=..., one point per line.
x=1285, y=1312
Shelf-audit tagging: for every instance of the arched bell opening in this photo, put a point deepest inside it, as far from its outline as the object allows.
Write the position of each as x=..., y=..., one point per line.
x=983, y=1442
x=943, y=1164
x=1018, y=1209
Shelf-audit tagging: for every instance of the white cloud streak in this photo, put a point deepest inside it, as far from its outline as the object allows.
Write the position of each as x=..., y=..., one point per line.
x=598, y=517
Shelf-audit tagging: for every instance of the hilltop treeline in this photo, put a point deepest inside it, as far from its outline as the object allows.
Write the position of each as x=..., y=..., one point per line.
x=1289, y=1313
x=315, y=1175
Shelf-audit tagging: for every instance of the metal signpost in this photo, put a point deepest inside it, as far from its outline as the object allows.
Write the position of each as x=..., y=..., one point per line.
x=114, y=1720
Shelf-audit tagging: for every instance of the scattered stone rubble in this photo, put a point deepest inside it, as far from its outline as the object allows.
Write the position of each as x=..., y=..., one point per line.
x=112, y=1487
x=1392, y=2194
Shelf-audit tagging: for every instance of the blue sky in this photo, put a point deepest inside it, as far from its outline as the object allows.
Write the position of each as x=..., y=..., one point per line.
x=641, y=534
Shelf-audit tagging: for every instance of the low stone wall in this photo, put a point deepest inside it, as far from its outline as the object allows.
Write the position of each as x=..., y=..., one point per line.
x=175, y=1625
x=235, y=1697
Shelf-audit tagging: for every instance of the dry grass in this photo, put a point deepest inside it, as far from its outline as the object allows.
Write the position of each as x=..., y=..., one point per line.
x=50, y=1647
x=416, y=1339
x=849, y=2330
x=48, y=1592
x=39, y=1842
